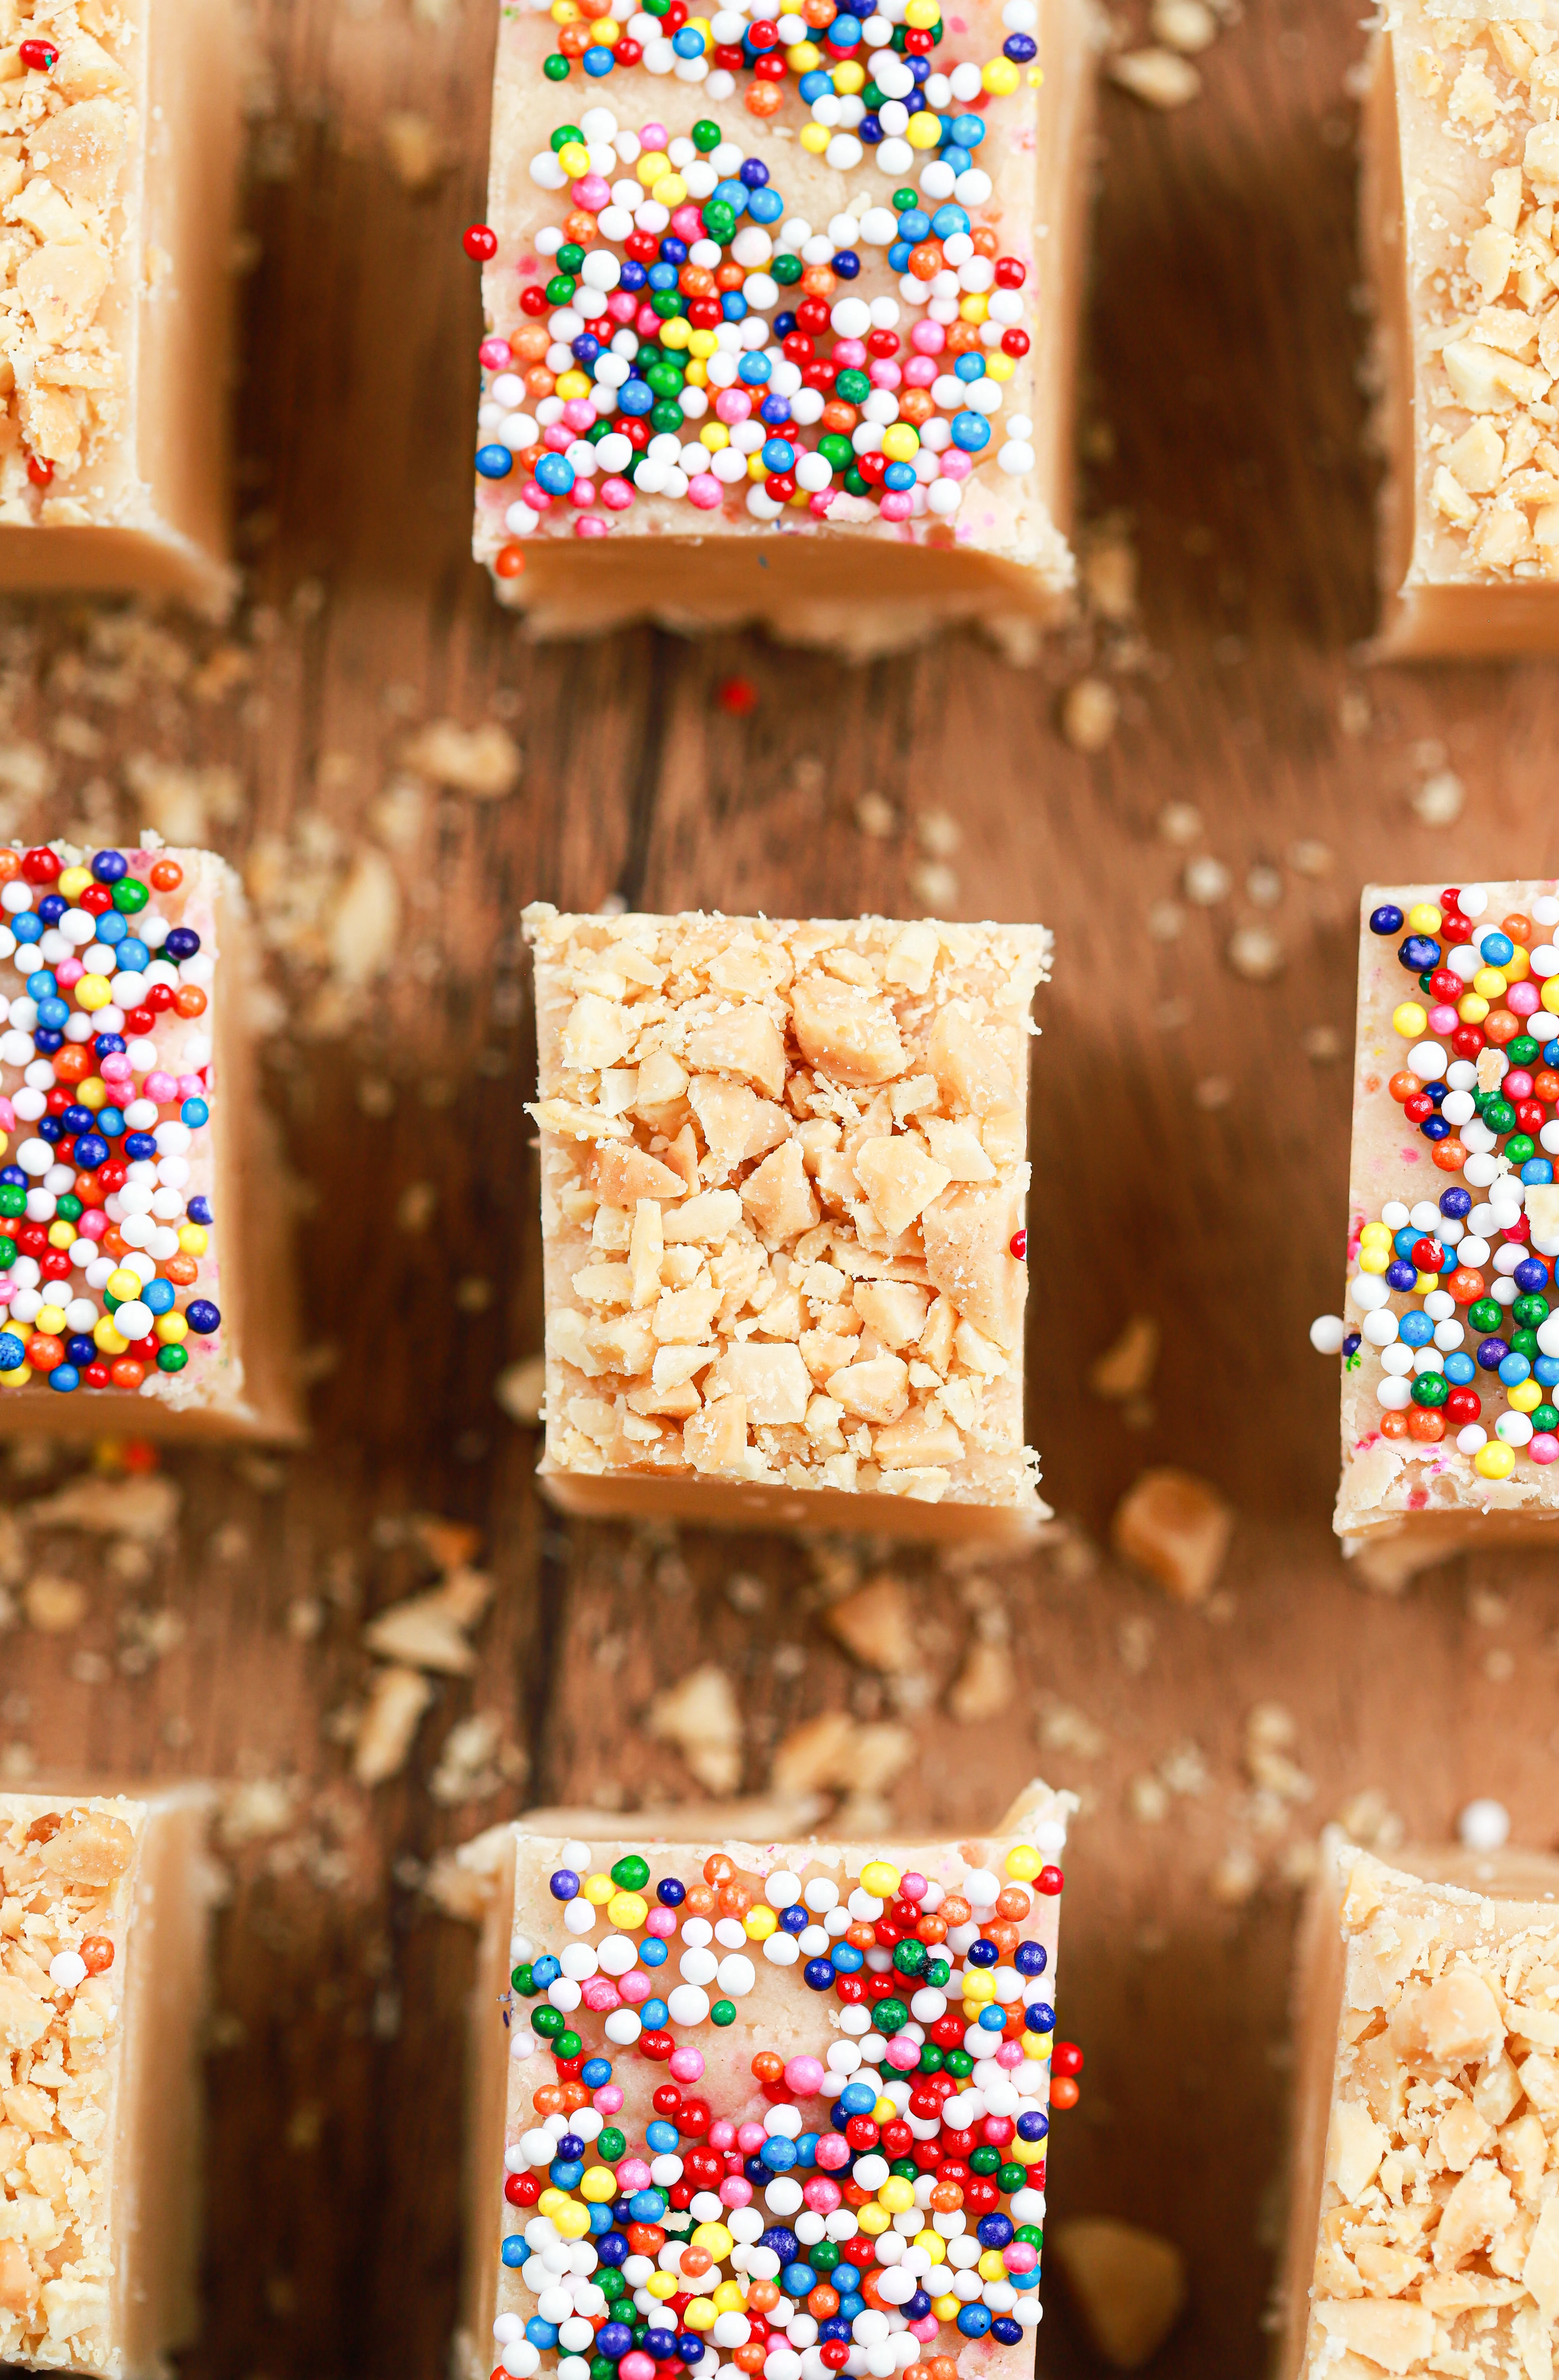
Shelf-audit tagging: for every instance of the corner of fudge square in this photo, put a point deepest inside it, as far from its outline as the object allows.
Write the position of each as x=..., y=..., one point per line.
x=144, y=1253
x=783, y=1170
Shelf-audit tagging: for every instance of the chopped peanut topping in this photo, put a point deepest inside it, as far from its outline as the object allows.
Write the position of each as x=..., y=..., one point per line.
x=783, y=1169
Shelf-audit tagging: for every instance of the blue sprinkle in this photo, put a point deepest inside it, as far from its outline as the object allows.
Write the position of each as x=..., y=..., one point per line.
x=496, y=463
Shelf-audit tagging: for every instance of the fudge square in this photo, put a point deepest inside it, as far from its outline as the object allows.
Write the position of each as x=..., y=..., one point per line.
x=781, y=314
x=1424, y=2230
x=118, y=153
x=1450, y=1389
x=1460, y=178
x=783, y=1184
x=144, y=1280
x=102, y=1997
x=766, y=2158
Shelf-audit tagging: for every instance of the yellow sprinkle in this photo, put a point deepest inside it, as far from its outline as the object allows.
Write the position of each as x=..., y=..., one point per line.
x=669, y=192
x=999, y=366
x=1410, y=1020
x=802, y=56
x=574, y=158
x=760, y=1923
x=880, y=1878
x=715, y=435
x=1491, y=982
x=701, y=2315
x=661, y=2285
x=573, y=384
x=1472, y=1008
x=627, y=1910
x=976, y=306
x=1424, y=918
x=61, y=1236
x=925, y=129
x=1523, y=1396
x=901, y=442
x=756, y=467
x=848, y=78
x=50, y=1318
x=872, y=2218
x=598, y=1889
x=1496, y=1461
x=650, y=166
x=73, y=880
x=1000, y=77
x=815, y=139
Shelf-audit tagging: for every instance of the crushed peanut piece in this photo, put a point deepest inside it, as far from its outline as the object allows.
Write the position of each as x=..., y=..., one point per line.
x=1177, y=1529
x=1127, y=2285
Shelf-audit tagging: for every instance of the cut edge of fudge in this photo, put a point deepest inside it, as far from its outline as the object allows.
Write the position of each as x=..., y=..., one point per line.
x=494, y=2077
x=790, y=1030
x=1402, y=1503
x=248, y=1388
x=130, y=1871
x=1406, y=1968
x=1466, y=420
x=135, y=193
x=861, y=586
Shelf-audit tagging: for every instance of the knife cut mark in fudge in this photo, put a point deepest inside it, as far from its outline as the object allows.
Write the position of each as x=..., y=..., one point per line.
x=117, y=154
x=1450, y=1414
x=841, y=309
x=136, y=1209
x=102, y=1995
x=771, y=2110
x=784, y=1174
x=1424, y=2232
x=1461, y=181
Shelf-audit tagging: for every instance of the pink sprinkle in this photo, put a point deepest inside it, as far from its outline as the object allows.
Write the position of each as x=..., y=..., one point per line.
x=637, y=2365
x=927, y=338
x=591, y=191
x=661, y=1922
x=653, y=136
x=1518, y=1084
x=734, y=2191
x=955, y=464
x=896, y=507
x=833, y=2151
x=68, y=972
x=1442, y=1019
x=686, y=2064
x=622, y=305
x=884, y=373
x=191, y=1087
x=912, y=1887
x=1019, y=2257
x=117, y=1068
x=704, y=490
x=599, y=1994
x=582, y=492
x=536, y=497
x=1009, y=2055
x=721, y=2134
x=93, y=1224
x=635, y=1986
x=822, y=2195
x=926, y=2329
x=817, y=503
x=750, y=2138
x=849, y=353
x=804, y=2076
x=903, y=2056
x=1522, y=997
x=579, y=415
x=919, y=372
x=8, y=1291
x=557, y=437
x=608, y=2099
x=633, y=2174
x=161, y=1086
x=1544, y=1447
x=495, y=355
x=687, y=222
x=1520, y=1229
x=733, y=405
x=616, y=496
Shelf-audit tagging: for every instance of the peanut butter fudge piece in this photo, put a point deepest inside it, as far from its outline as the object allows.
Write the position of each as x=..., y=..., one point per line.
x=783, y=1181
x=1450, y=1407
x=103, y=1922
x=1460, y=183
x=119, y=150
x=143, y=1259
x=669, y=2040
x=783, y=315
x=1424, y=2229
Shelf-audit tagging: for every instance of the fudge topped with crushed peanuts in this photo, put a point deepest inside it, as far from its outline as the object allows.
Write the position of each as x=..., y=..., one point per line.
x=784, y=1172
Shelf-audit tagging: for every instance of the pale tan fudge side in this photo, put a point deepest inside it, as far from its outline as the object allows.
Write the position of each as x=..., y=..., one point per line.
x=515, y=1864
x=102, y=1998
x=1400, y=1503
x=1460, y=180
x=852, y=581
x=118, y=175
x=782, y=1168
x=1422, y=2236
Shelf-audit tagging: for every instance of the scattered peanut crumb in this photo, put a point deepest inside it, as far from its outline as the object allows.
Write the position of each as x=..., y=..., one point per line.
x=1158, y=76
x=1206, y=881
x=1235, y=1876
x=1440, y=800
x=416, y=155
x=699, y=1716
x=983, y=1687
x=429, y=1631
x=1180, y=822
x=54, y=1606
x=390, y=1717
x=876, y=817
x=1256, y=953
x=482, y=761
x=875, y=1624
x=1126, y=1368
x=1309, y=859
x=1176, y=1528
x=519, y=1389
x=1090, y=711
x=1127, y=2285
x=1188, y=26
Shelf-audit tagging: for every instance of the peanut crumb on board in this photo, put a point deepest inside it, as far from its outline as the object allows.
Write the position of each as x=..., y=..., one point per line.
x=1176, y=1528
x=1127, y=2285
x=1161, y=77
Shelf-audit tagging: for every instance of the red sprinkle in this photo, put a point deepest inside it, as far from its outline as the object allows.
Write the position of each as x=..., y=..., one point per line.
x=40, y=56
x=1019, y=1245
x=480, y=242
x=40, y=470
x=736, y=695
x=1049, y=1880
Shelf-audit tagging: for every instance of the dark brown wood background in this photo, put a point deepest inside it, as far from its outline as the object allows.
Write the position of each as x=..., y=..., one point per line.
x=1190, y=1164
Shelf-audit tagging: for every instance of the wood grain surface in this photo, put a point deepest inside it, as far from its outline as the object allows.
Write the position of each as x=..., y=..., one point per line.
x=1190, y=1157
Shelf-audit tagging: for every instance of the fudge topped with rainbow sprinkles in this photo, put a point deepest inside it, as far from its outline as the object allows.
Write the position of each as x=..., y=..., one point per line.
x=791, y=294
x=777, y=2111
x=1450, y=1342
x=126, y=1194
